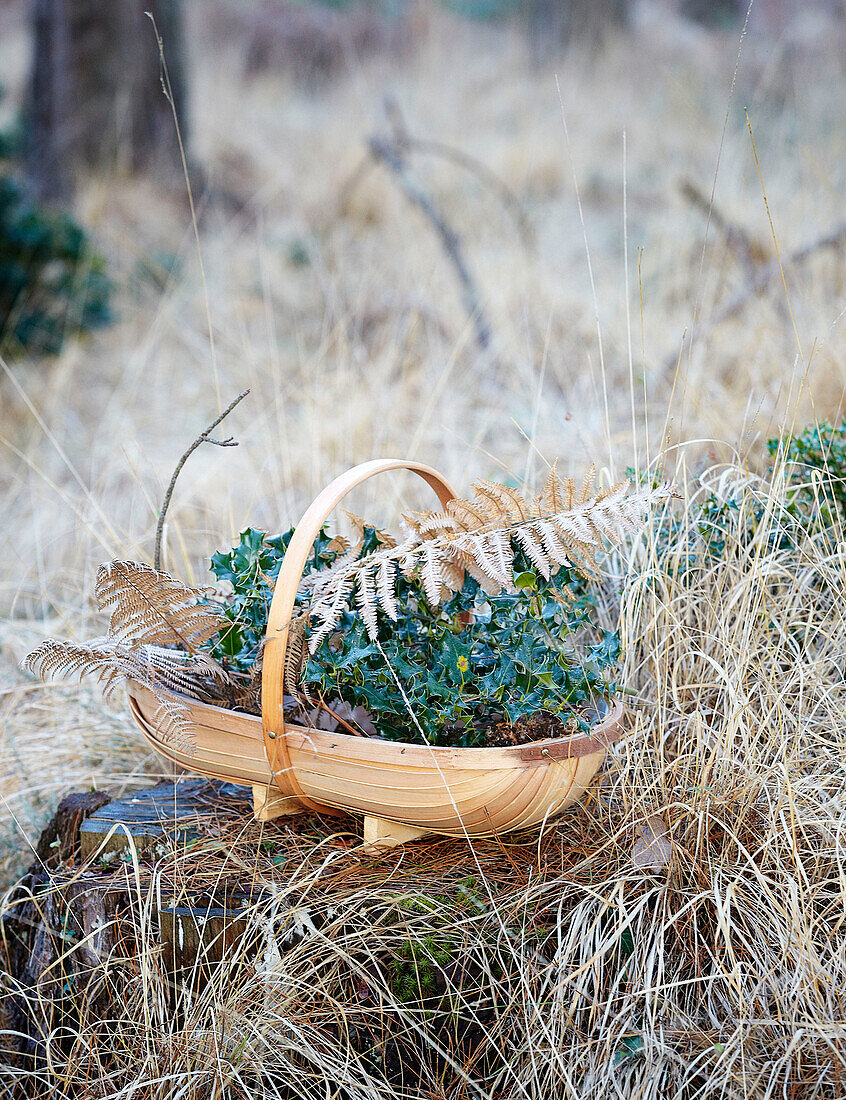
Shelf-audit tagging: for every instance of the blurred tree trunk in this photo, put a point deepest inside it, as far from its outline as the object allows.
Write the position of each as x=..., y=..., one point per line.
x=95, y=95
x=555, y=25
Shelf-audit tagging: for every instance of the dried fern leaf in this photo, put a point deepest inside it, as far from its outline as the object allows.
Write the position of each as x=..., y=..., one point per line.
x=150, y=607
x=60, y=660
x=365, y=599
x=487, y=583
x=587, y=487
x=557, y=495
x=466, y=514
x=436, y=525
x=487, y=553
x=328, y=608
x=499, y=544
x=386, y=574
x=507, y=505
x=172, y=720
x=553, y=544
x=294, y=653
x=576, y=529
x=176, y=671
x=453, y=573
x=431, y=574
x=384, y=538
x=168, y=673
x=478, y=538
x=529, y=541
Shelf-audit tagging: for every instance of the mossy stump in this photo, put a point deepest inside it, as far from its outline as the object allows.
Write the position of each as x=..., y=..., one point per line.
x=173, y=889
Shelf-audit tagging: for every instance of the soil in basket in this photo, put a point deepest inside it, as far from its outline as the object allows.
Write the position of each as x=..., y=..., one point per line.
x=494, y=734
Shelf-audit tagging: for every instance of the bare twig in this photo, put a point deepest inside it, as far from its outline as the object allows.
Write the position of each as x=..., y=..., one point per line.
x=404, y=141
x=759, y=283
x=749, y=251
x=204, y=438
x=388, y=153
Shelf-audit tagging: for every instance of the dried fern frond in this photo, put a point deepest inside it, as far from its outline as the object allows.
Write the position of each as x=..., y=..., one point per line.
x=384, y=538
x=294, y=655
x=174, y=670
x=561, y=526
x=58, y=660
x=557, y=495
x=150, y=607
x=168, y=673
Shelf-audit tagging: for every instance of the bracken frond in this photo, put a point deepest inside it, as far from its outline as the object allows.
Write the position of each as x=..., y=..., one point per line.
x=468, y=516
x=53, y=659
x=480, y=537
x=385, y=581
x=587, y=487
x=431, y=574
x=557, y=496
x=529, y=541
x=150, y=607
x=365, y=599
x=507, y=505
x=166, y=672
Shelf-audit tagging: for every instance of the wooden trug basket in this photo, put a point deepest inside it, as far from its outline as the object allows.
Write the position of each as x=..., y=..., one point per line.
x=402, y=790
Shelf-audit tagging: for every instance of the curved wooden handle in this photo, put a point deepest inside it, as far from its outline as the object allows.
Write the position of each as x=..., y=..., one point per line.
x=285, y=594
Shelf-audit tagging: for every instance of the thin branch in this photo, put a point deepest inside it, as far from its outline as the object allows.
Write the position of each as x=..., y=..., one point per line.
x=750, y=252
x=736, y=302
x=388, y=153
x=204, y=438
x=406, y=142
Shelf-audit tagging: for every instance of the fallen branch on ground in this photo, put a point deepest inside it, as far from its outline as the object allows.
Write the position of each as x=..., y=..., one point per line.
x=756, y=286
x=386, y=152
x=750, y=252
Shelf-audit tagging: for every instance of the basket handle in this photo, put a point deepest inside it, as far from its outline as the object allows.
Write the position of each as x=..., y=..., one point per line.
x=284, y=597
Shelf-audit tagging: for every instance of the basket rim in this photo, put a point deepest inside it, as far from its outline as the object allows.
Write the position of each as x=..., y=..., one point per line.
x=600, y=735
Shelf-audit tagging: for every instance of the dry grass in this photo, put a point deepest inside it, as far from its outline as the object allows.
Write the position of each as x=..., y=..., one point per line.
x=733, y=984
x=551, y=966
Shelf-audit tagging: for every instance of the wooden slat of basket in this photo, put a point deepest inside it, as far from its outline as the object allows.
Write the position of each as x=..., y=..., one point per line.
x=284, y=598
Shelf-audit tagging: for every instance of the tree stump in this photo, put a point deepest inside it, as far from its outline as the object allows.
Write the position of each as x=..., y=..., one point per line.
x=143, y=915
x=59, y=922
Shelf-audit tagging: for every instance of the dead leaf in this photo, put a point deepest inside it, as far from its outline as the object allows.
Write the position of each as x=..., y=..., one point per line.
x=653, y=848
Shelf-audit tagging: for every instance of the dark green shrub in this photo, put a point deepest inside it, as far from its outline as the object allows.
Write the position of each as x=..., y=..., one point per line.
x=51, y=283
x=464, y=668
x=818, y=455
x=251, y=568
x=814, y=505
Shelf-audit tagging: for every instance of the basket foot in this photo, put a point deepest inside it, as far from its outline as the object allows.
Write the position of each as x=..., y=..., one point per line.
x=268, y=803
x=381, y=834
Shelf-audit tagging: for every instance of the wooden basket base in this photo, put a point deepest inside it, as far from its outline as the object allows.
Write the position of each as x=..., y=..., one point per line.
x=380, y=834
x=268, y=803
